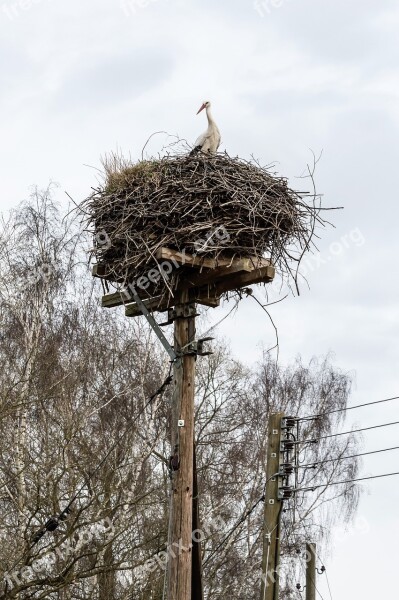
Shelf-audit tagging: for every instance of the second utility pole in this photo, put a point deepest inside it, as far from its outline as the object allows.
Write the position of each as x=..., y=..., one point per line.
x=180, y=541
x=310, y=571
x=271, y=530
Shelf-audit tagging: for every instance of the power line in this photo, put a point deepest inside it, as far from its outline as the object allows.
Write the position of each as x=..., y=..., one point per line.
x=328, y=583
x=338, y=458
x=314, y=487
x=241, y=520
x=233, y=529
x=347, y=408
x=324, y=572
x=291, y=534
x=248, y=291
x=315, y=587
x=325, y=437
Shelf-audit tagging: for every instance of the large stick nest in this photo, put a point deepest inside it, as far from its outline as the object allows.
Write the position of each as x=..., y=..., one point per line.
x=180, y=202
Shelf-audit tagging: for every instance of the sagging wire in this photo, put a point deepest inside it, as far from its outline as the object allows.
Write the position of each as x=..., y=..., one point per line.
x=241, y=520
x=249, y=293
x=314, y=487
x=331, y=435
x=339, y=458
x=309, y=417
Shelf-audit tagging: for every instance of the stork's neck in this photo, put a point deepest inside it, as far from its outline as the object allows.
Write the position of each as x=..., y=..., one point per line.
x=209, y=116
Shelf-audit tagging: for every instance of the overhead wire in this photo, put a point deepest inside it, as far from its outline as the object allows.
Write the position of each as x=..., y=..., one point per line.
x=263, y=306
x=328, y=583
x=331, y=412
x=276, y=556
x=324, y=572
x=290, y=532
x=338, y=458
x=241, y=520
x=327, y=484
x=234, y=528
x=315, y=586
x=53, y=523
x=331, y=435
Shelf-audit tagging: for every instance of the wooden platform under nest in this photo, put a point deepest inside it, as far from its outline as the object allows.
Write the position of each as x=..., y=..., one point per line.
x=204, y=279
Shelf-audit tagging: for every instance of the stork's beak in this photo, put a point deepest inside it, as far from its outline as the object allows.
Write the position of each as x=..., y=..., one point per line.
x=202, y=108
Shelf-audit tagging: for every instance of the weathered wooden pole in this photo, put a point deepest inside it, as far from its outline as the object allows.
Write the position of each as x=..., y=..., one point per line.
x=181, y=514
x=310, y=571
x=197, y=588
x=208, y=281
x=271, y=529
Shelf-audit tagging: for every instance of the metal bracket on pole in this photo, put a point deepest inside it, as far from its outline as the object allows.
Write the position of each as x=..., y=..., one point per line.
x=194, y=348
x=180, y=311
x=158, y=331
x=197, y=347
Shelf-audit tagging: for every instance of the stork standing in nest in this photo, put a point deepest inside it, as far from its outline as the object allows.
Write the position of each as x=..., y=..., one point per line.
x=209, y=141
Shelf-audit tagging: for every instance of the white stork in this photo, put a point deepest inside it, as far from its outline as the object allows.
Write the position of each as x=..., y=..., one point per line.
x=209, y=141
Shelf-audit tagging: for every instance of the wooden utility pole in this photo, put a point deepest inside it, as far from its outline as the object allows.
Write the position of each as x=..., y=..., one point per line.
x=310, y=571
x=201, y=280
x=271, y=539
x=181, y=514
x=197, y=589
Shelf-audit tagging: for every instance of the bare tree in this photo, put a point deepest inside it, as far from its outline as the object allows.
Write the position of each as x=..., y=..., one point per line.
x=84, y=480
x=234, y=407
x=75, y=381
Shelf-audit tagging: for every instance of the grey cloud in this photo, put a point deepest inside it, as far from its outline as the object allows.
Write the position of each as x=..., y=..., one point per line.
x=335, y=30
x=113, y=80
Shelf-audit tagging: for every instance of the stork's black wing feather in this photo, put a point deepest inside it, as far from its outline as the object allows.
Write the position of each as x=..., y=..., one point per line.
x=195, y=150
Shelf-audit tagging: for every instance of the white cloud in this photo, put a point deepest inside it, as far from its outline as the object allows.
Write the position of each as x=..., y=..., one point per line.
x=81, y=78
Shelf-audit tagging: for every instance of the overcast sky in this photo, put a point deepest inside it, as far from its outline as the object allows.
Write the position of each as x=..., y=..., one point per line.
x=82, y=77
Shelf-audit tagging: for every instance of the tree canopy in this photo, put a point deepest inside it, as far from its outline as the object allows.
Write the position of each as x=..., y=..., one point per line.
x=84, y=474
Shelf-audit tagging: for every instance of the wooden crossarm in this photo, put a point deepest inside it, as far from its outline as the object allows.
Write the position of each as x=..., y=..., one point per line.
x=205, y=286
x=240, y=280
x=190, y=260
x=212, y=275
x=159, y=304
